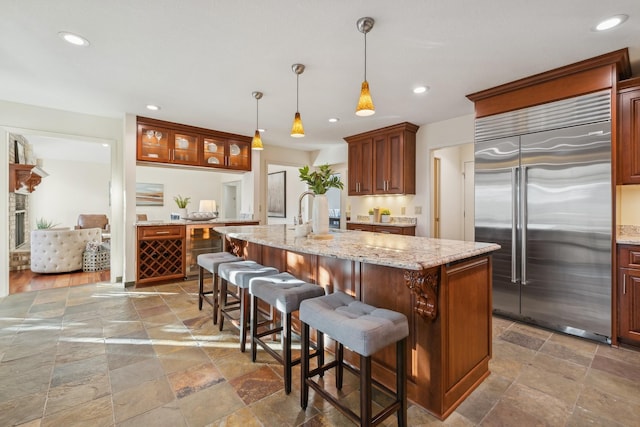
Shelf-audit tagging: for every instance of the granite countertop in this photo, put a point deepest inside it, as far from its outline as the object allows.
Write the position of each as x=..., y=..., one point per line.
x=189, y=222
x=408, y=252
x=628, y=235
x=390, y=224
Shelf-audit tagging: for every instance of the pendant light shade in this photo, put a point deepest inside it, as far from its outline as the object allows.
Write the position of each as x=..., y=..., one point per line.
x=256, y=142
x=297, y=130
x=365, y=103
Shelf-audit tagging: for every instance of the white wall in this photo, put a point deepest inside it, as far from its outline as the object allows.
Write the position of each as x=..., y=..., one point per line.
x=272, y=155
x=196, y=184
x=447, y=133
x=72, y=188
x=629, y=205
x=294, y=187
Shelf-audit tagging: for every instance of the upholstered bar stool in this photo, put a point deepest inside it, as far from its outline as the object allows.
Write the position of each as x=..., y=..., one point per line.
x=239, y=275
x=365, y=330
x=283, y=292
x=210, y=263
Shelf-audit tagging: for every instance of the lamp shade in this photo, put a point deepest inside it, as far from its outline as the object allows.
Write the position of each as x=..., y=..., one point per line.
x=256, y=142
x=207, y=206
x=297, y=130
x=365, y=103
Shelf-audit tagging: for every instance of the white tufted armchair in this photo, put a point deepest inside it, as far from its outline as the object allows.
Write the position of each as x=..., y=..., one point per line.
x=59, y=251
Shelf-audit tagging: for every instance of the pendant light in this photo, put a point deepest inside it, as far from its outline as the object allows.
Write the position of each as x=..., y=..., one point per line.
x=256, y=142
x=297, y=130
x=365, y=103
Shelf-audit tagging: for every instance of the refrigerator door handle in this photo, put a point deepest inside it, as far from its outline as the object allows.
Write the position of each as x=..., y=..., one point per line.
x=523, y=207
x=514, y=223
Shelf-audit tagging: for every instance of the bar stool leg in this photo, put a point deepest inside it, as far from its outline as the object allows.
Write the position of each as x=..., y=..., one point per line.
x=222, y=301
x=320, y=345
x=244, y=317
x=286, y=338
x=365, y=390
x=201, y=288
x=339, y=368
x=401, y=380
x=304, y=366
x=254, y=327
x=215, y=298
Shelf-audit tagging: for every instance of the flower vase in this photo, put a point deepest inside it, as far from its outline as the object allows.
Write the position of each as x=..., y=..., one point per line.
x=320, y=214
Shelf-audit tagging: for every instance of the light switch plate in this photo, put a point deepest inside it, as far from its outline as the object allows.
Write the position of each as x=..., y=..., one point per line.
x=418, y=210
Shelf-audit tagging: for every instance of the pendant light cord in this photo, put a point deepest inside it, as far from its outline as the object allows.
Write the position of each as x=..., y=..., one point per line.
x=257, y=113
x=365, y=57
x=297, y=91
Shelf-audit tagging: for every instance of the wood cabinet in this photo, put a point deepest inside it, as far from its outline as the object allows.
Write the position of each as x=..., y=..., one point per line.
x=161, y=253
x=629, y=294
x=177, y=144
x=392, y=169
x=360, y=167
x=386, y=229
x=629, y=132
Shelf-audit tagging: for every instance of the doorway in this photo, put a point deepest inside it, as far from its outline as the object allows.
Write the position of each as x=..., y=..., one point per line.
x=230, y=200
x=453, y=192
x=58, y=199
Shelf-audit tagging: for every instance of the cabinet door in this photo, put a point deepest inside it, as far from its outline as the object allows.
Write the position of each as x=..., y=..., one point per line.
x=238, y=155
x=629, y=145
x=629, y=304
x=387, y=229
x=213, y=151
x=186, y=148
x=395, y=163
x=360, y=167
x=359, y=227
x=154, y=143
x=381, y=164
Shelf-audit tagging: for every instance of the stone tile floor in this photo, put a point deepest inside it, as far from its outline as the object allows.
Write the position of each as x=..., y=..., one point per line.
x=100, y=355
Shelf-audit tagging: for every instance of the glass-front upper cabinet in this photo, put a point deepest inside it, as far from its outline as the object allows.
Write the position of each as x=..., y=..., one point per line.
x=239, y=155
x=213, y=149
x=153, y=143
x=178, y=144
x=185, y=148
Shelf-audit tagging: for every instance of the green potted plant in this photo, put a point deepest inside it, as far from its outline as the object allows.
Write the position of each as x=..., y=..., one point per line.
x=182, y=203
x=319, y=181
x=385, y=215
x=371, y=215
x=44, y=224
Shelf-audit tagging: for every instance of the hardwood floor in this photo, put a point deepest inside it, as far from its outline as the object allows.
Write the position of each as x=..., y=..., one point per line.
x=26, y=280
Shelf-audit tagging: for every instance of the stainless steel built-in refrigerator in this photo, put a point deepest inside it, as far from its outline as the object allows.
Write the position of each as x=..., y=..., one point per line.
x=543, y=192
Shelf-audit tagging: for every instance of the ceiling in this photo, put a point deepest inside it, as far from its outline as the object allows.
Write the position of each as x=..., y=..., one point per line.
x=201, y=60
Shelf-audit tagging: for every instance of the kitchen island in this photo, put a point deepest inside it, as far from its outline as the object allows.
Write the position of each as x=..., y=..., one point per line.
x=442, y=286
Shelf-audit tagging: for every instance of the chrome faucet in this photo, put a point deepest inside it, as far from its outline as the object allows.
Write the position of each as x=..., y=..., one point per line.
x=309, y=193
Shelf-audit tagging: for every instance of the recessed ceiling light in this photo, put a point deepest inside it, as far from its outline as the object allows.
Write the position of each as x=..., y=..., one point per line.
x=105, y=145
x=74, y=39
x=421, y=89
x=610, y=23
x=334, y=120
x=152, y=107
x=261, y=130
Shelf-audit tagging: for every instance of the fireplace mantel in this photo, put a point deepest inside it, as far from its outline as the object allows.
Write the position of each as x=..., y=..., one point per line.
x=24, y=178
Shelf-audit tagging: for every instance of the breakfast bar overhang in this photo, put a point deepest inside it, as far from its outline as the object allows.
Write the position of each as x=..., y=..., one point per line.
x=442, y=286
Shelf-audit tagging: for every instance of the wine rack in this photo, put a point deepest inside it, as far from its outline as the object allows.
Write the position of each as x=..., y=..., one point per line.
x=161, y=253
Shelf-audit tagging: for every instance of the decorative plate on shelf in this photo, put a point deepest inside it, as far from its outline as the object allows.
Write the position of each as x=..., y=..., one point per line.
x=201, y=216
x=213, y=160
x=234, y=149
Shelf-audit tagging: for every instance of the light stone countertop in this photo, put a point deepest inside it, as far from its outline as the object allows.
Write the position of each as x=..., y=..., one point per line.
x=386, y=224
x=628, y=235
x=408, y=252
x=190, y=222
